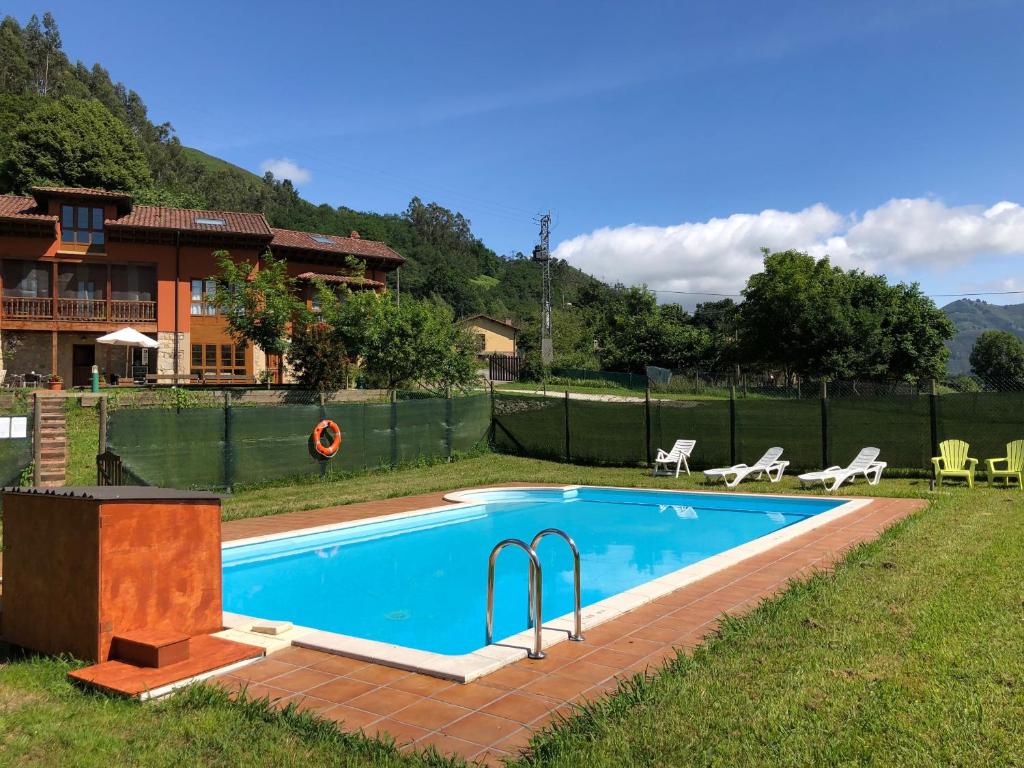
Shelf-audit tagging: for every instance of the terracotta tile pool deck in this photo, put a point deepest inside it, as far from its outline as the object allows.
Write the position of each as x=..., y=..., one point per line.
x=493, y=717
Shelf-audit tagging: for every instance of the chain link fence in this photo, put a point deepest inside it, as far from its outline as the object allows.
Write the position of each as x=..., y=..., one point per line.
x=16, y=437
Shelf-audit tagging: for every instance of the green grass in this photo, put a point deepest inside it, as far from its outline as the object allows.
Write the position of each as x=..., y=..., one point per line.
x=911, y=653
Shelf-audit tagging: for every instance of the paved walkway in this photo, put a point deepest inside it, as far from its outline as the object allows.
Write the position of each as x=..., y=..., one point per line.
x=494, y=717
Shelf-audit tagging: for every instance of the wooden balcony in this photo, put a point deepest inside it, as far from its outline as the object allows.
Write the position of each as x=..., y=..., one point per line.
x=79, y=310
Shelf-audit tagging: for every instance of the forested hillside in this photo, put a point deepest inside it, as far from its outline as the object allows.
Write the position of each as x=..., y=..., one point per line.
x=63, y=122
x=972, y=318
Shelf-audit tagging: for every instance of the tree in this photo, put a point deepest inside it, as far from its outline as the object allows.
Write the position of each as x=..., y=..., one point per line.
x=809, y=318
x=73, y=142
x=15, y=72
x=258, y=302
x=412, y=342
x=998, y=360
x=318, y=357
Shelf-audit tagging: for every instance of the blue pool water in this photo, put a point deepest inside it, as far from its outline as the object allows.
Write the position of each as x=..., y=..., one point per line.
x=421, y=582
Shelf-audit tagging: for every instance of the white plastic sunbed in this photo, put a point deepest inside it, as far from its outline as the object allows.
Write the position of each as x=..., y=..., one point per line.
x=864, y=464
x=768, y=464
x=678, y=456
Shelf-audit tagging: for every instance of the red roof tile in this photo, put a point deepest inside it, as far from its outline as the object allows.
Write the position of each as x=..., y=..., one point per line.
x=342, y=279
x=102, y=194
x=17, y=207
x=352, y=246
x=152, y=217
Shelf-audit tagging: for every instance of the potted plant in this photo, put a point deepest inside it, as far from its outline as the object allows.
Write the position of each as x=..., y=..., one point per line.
x=55, y=382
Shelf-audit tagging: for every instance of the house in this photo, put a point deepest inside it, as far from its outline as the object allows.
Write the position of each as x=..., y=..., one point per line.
x=78, y=263
x=493, y=337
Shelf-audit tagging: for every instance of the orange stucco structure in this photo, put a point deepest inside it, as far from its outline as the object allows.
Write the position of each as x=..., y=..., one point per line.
x=79, y=263
x=82, y=565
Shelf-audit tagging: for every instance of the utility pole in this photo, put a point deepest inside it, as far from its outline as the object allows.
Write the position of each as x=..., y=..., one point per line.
x=542, y=255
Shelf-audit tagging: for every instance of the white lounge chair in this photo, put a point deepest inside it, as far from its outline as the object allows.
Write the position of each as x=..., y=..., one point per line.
x=678, y=456
x=768, y=464
x=863, y=464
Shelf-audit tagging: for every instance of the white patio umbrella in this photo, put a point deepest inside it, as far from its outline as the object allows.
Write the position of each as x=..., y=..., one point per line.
x=128, y=338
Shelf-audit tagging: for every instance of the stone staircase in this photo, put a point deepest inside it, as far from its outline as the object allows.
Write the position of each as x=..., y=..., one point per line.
x=52, y=434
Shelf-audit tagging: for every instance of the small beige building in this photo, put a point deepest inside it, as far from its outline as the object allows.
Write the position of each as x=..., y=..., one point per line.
x=493, y=337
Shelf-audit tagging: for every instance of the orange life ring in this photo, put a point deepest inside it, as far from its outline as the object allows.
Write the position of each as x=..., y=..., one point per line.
x=327, y=451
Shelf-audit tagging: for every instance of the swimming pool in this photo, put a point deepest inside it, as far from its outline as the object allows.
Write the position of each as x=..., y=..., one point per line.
x=417, y=581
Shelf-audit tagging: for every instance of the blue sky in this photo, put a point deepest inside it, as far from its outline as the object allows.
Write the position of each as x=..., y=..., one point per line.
x=669, y=139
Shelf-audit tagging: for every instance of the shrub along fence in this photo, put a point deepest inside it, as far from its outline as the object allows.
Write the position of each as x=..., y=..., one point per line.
x=815, y=432
x=219, y=447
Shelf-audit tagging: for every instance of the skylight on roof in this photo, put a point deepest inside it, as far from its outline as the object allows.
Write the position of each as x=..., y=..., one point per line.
x=210, y=222
x=322, y=239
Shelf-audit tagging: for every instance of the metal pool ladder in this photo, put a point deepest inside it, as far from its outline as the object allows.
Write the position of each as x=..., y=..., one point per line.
x=535, y=598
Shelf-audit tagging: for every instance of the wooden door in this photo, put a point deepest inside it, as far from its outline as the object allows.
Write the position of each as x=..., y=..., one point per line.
x=83, y=358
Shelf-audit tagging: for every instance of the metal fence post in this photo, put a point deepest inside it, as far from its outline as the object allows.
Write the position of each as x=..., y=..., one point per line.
x=37, y=440
x=394, y=429
x=568, y=452
x=448, y=416
x=933, y=408
x=647, y=423
x=229, y=459
x=102, y=445
x=491, y=429
x=824, y=425
x=732, y=423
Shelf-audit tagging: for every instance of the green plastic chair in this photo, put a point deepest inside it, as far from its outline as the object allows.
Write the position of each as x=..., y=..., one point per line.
x=953, y=461
x=1014, y=461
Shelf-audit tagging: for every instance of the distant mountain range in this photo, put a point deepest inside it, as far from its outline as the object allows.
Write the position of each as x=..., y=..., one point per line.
x=971, y=318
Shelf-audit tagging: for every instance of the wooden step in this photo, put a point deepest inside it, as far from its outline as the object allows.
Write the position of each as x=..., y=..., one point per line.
x=150, y=648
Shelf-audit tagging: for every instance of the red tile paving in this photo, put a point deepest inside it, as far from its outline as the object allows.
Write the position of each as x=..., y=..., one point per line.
x=493, y=718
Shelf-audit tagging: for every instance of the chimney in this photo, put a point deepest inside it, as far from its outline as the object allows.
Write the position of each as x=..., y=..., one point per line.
x=354, y=235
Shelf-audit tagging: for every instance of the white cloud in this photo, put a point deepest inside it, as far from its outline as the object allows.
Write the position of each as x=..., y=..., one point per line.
x=283, y=168
x=717, y=256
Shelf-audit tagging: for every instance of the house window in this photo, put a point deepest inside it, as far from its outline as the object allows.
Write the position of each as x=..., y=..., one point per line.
x=82, y=281
x=202, y=297
x=81, y=224
x=132, y=282
x=218, y=361
x=481, y=342
x=27, y=279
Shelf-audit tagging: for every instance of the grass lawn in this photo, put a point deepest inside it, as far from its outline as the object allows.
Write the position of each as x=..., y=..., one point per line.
x=910, y=653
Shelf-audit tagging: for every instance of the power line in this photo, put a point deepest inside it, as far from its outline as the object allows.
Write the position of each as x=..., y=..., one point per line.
x=930, y=295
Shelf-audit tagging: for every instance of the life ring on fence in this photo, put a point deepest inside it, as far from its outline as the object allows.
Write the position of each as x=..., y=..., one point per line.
x=327, y=451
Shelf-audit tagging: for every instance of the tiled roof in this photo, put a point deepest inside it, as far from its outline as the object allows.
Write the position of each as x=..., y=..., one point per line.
x=342, y=279
x=101, y=194
x=506, y=323
x=17, y=207
x=354, y=246
x=152, y=217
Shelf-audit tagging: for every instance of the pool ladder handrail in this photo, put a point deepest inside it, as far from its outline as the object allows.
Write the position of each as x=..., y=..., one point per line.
x=535, y=599
x=577, y=634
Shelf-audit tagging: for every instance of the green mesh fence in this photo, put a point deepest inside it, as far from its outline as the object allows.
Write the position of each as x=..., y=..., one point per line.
x=706, y=421
x=899, y=427
x=270, y=441
x=606, y=432
x=794, y=425
x=529, y=426
x=986, y=420
x=601, y=378
x=186, y=449
x=168, y=448
x=15, y=452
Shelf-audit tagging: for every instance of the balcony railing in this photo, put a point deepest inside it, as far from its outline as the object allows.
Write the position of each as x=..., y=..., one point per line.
x=79, y=310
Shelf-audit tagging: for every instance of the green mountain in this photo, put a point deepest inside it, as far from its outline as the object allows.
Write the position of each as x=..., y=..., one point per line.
x=68, y=124
x=972, y=317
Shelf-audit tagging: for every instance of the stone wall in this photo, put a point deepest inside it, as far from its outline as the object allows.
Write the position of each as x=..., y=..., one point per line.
x=165, y=354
